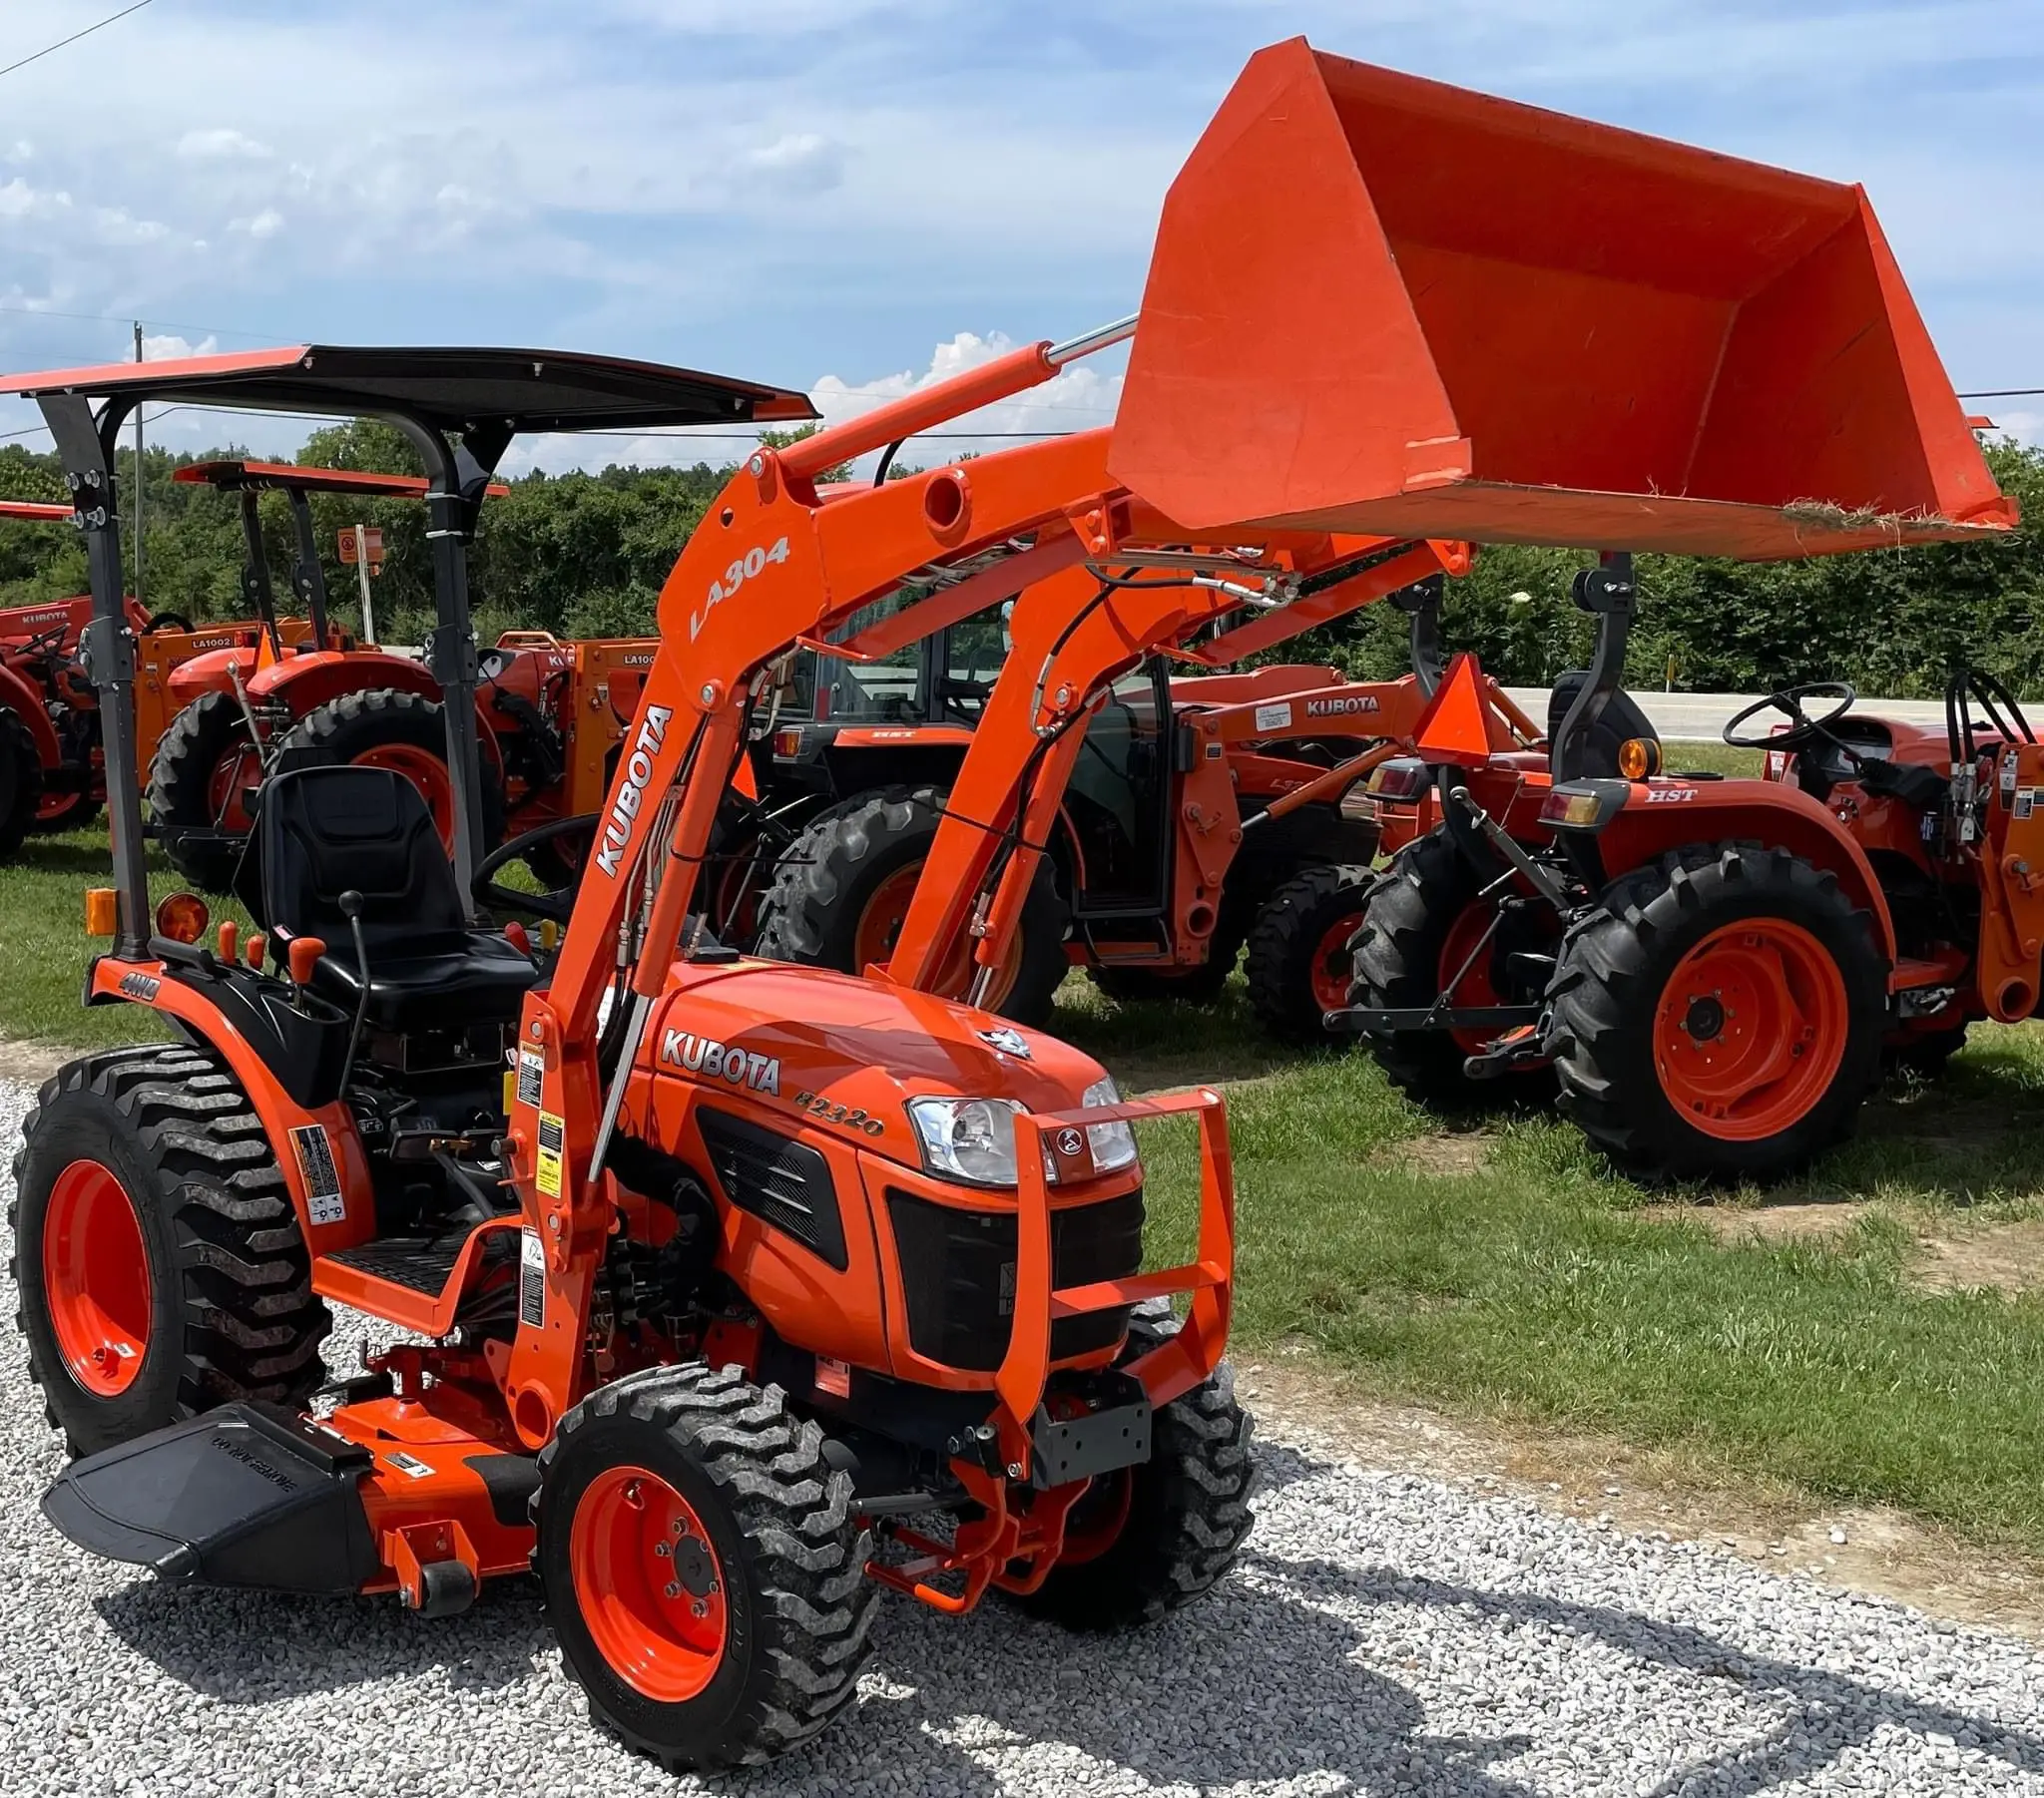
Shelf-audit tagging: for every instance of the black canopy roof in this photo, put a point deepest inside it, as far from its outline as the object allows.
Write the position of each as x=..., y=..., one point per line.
x=451, y=390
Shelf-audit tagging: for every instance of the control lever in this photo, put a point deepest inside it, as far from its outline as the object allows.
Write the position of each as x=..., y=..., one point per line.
x=351, y=909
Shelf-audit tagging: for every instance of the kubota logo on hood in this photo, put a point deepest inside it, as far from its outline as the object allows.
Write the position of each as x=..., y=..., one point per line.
x=716, y=1061
x=617, y=830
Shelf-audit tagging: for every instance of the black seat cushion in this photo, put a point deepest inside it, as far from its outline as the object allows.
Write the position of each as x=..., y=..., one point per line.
x=324, y=831
x=1621, y=720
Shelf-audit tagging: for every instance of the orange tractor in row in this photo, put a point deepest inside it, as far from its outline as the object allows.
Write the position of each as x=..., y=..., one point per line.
x=294, y=693
x=729, y=1293
x=52, y=773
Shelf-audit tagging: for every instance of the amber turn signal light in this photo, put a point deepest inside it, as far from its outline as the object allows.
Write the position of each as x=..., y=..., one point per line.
x=182, y=917
x=1639, y=757
x=102, y=910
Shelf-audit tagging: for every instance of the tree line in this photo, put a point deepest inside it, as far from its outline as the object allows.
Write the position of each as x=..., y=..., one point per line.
x=586, y=554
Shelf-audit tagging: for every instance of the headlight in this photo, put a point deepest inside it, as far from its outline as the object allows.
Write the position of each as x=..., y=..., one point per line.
x=1112, y=1144
x=970, y=1140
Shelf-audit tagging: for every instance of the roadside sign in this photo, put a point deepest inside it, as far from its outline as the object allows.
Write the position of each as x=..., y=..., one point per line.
x=356, y=539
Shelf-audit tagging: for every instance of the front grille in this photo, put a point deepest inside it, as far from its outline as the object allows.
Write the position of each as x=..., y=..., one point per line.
x=777, y=1179
x=958, y=1271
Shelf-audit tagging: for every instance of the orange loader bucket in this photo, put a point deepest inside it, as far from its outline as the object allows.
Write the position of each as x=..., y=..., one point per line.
x=1384, y=306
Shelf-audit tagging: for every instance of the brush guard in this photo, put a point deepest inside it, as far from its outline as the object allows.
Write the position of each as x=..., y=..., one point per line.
x=1019, y=1535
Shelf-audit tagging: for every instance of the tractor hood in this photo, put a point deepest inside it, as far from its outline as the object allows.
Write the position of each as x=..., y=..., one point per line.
x=790, y=1035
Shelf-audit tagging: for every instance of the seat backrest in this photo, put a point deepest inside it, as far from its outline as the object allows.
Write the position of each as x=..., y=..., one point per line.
x=1619, y=721
x=323, y=831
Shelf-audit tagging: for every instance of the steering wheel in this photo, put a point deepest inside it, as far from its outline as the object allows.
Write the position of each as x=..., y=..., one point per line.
x=556, y=904
x=167, y=621
x=1802, y=728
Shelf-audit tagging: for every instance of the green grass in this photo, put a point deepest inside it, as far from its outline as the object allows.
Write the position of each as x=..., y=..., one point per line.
x=44, y=949
x=1711, y=758
x=1536, y=1288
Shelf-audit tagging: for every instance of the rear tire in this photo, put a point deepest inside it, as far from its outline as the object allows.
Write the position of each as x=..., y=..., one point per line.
x=393, y=728
x=1300, y=956
x=184, y=779
x=21, y=781
x=841, y=878
x=1705, y=1095
x=1399, y=964
x=770, y=1551
x=1187, y=1514
x=227, y=1311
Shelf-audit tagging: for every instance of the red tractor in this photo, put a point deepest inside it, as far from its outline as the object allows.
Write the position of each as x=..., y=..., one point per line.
x=52, y=774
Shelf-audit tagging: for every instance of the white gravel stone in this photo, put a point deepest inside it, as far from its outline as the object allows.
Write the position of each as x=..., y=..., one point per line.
x=1386, y=1633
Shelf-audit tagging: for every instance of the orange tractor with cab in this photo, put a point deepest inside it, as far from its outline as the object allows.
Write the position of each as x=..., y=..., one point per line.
x=731, y=1291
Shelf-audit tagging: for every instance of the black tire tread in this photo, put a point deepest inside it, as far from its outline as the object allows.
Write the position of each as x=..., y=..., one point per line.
x=803, y=914
x=796, y=1512
x=180, y=776
x=1606, y=974
x=252, y=1326
x=19, y=746
x=343, y=726
x=1289, y=927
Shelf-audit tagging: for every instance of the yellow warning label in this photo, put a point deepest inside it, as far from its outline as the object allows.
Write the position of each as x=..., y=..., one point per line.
x=552, y=1135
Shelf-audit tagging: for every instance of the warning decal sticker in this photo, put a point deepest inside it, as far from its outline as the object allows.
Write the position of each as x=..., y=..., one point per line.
x=552, y=1135
x=322, y=1179
x=532, y=1279
x=532, y=1070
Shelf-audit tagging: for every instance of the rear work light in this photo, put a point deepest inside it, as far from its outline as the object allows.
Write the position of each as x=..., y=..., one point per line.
x=1584, y=804
x=182, y=917
x=1400, y=781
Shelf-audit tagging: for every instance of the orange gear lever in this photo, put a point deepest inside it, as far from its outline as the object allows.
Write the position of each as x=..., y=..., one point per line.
x=304, y=954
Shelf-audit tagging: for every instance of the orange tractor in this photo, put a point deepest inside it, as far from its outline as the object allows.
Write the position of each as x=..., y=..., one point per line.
x=300, y=694
x=719, y=1279
x=1187, y=806
x=51, y=761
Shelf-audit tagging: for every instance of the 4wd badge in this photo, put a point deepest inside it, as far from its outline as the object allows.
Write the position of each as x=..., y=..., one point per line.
x=1008, y=1042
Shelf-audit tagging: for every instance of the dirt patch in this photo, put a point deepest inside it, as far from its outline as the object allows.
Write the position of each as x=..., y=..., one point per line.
x=1860, y=1549
x=2006, y=1256
x=1438, y=1154
x=31, y=1063
x=1767, y=1223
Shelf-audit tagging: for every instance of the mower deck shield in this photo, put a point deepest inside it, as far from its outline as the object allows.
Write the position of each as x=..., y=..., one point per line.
x=1381, y=305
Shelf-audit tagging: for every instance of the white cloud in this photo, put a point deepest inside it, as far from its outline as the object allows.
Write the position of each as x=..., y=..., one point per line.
x=168, y=347
x=222, y=145
x=265, y=223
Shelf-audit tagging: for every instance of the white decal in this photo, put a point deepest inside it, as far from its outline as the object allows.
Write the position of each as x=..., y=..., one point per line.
x=617, y=831
x=742, y=569
x=1670, y=796
x=1274, y=717
x=714, y=1060
x=1335, y=708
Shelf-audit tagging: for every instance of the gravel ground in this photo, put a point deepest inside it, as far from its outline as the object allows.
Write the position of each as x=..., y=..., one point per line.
x=1386, y=1633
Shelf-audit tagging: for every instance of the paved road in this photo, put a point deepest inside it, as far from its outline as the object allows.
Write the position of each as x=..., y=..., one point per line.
x=1699, y=717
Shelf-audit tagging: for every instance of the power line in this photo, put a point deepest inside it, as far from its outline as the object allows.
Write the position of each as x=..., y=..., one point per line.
x=50, y=49
x=2003, y=393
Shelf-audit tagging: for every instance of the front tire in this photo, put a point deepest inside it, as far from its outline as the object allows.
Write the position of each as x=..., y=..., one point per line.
x=158, y=1260
x=842, y=889
x=1719, y=1015
x=701, y=1567
x=196, y=781
x=21, y=781
x=1299, y=958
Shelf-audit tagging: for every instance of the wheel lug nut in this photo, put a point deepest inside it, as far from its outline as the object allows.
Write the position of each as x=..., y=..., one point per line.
x=661, y=1549
x=674, y=1590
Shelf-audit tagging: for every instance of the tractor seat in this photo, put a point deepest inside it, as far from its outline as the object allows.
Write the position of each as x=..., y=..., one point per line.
x=1621, y=720
x=324, y=831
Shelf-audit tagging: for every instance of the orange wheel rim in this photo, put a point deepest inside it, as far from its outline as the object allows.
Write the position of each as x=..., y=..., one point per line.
x=1476, y=986
x=648, y=1585
x=1333, y=969
x=1751, y=1030
x=235, y=772
x=424, y=770
x=880, y=929
x=96, y=1279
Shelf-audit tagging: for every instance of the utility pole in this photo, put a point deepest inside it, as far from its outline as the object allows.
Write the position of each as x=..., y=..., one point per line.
x=138, y=476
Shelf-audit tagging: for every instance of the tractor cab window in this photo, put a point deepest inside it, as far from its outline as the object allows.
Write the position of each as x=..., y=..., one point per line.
x=1117, y=797
x=865, y=693
x=969, y=661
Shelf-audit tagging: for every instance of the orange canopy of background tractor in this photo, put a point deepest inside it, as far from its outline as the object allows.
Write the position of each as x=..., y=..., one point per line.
x=1384, y=306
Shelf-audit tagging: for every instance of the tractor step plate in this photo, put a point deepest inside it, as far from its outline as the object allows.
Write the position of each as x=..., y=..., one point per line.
x=247, y=1496
x=417, y=1263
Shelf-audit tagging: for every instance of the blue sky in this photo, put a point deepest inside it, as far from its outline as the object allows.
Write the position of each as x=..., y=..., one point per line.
x=850, y=192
